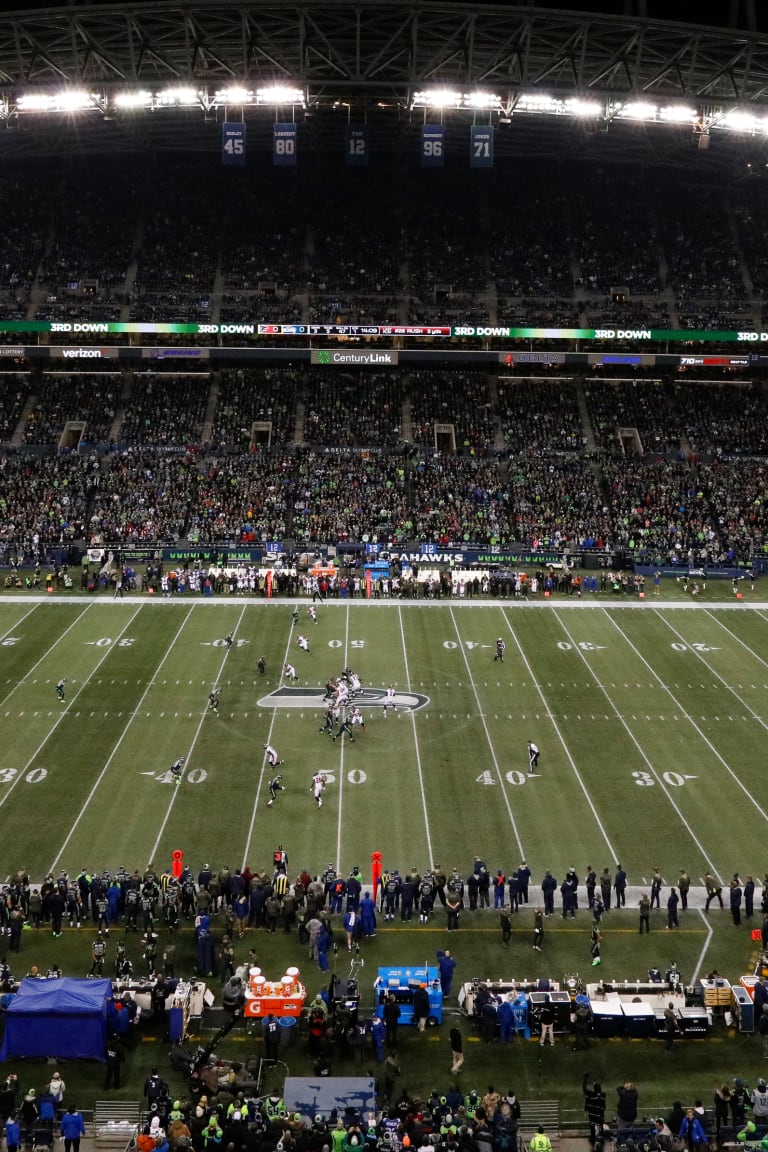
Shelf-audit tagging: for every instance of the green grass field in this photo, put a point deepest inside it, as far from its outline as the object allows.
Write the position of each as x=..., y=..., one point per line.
x=651, y=720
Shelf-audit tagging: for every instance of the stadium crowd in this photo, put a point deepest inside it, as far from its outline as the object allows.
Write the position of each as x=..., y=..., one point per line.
x=639, y=463
x=100, y=243
x=677, y=506
x=696, y=496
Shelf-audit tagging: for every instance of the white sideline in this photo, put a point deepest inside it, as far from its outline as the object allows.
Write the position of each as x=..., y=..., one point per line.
x=391, y=602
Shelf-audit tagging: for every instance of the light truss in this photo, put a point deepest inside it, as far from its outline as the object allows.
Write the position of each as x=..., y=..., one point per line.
x=178, y=61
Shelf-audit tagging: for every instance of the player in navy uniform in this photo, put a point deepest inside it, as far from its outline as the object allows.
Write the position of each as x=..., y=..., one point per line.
x=345, y=729
x=229, y=640
x=501, y=648
x=98, y=952
x=213, y=701
x=275, y=786
x=329, y=721
x=60, y=688
x=176, y=768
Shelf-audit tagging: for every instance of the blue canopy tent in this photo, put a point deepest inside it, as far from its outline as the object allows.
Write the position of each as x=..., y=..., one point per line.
x=65, y=1018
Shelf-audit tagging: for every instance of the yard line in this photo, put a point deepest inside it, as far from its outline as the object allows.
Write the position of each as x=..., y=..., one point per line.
x=18, y=622
x=260, y=781
x=692, y=722
x=45, y=654
x=704, y=947
x=612, y=851
x=151, y=683
x=416, y=742
x=738, y=638
x=634, y=739
x=83, y=686
x=714, y=672
x=198, y=730
x=341, y=752
x=492, y=750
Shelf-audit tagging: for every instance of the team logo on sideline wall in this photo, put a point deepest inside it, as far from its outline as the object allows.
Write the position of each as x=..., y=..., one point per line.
x=365, y=698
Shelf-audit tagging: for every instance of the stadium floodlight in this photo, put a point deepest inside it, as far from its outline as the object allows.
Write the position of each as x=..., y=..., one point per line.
x=678, y=114
x=436, y=98
x=234, y=95
x=72, y=100
x=739, y=121
x=583, y=108
x=538, y=102
x=279, y=94
x=132, y=100
x=34, y=102
x=481, y=100
x=68, y=100
x=638, y=110
x=168, y=96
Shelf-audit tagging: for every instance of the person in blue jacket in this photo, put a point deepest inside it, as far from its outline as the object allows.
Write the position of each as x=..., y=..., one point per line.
x=72, y=1129
x=378, y=1036
x=114, y=899
x=368, y=915
x=506, y=1018
x=324, y=942
x=692, y=1130
x=203, y=946
x=12, y=1133
x=446, y=964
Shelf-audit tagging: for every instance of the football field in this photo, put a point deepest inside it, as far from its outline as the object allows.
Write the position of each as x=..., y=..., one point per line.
x=652, y=721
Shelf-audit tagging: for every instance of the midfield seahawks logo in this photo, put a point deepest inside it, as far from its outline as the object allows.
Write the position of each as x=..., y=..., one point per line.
x=365, y=698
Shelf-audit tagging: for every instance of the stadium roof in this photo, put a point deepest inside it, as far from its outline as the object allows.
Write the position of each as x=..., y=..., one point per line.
x=368, y=60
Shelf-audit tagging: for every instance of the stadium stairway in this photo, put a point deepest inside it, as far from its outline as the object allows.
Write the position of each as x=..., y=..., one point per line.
x=406, y=420
x=493, y=396
x=210, y=411
x=18, y=435
x=125, y=395
x=586, y=420
x=298, y=427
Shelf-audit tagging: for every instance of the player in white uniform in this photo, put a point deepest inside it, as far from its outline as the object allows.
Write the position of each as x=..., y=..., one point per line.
x=342, y=694
x=313, y=613
x=303, y=643
x=390, y=701
x=272, y=757
x=318, y=787
x=290, y=672
x=356, y=717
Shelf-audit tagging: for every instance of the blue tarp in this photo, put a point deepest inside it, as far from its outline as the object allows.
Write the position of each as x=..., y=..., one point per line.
x=334, y=1094
x=65, y=1018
